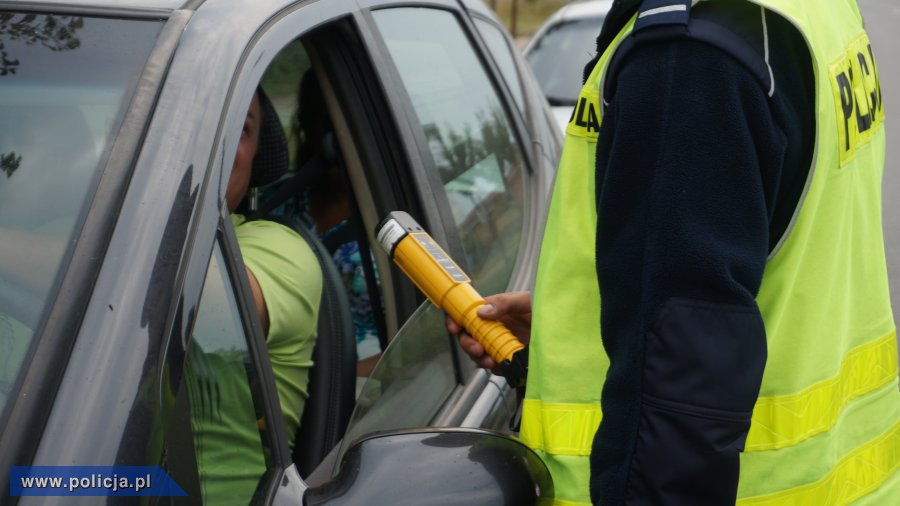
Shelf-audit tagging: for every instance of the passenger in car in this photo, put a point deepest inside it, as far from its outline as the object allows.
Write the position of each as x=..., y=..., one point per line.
x=286, y=283
x=327, y=204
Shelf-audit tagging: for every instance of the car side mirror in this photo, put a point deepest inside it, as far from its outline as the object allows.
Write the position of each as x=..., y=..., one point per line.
x=445, y=467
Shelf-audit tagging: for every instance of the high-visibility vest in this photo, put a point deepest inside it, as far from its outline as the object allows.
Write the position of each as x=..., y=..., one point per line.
x=826, y=425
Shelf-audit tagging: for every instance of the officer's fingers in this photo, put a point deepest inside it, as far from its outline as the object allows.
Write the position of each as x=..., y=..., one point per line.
x=521, y=330
x=472, y=347
x=452, y=326
x=510, y=303
x=476, y=352
x=486, y=362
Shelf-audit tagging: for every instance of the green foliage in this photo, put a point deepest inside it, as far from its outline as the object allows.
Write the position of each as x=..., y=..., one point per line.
x=283, y=75
x=56, y=33
x=530, y=14
x=9, y=162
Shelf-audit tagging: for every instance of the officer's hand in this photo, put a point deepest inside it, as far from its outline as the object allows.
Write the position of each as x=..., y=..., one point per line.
x=513, y=309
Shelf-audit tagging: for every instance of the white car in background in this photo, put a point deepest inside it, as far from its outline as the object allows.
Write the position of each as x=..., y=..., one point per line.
x=559, y=50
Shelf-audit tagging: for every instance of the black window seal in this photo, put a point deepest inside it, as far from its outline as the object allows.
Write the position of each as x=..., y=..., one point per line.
x=377, y=137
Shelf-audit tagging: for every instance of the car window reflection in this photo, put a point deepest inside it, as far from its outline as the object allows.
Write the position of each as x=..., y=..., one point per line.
x=474, y=148
x=63, y=93
x=560, y=78
x=500, y=50
x=226, y=416
x=411, y=381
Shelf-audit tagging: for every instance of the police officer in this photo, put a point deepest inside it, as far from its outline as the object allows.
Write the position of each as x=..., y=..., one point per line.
x=712, y=271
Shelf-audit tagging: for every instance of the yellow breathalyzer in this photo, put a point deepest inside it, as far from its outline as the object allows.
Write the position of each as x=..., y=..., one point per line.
x=422, y=260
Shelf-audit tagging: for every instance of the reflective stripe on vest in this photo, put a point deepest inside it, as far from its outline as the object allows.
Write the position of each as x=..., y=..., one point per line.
x=562, y=311
x=855, y=475
x=825, y=427
x=560, y=429
x=781, y=421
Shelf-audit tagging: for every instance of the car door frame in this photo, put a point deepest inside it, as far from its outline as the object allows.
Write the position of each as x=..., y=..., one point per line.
x=284, y=483
x=439, y=219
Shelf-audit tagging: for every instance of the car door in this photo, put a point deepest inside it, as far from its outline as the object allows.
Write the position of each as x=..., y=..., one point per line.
x=463, y=167
x=460, y=165
x=445, y=383
x=170, y=315
x=467, y=127
x=259, y=453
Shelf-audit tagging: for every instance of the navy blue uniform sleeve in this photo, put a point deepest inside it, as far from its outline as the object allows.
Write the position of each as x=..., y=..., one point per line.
x=687, y=168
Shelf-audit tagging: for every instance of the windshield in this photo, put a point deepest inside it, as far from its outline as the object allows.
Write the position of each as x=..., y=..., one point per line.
x=561, y=78
x=65, y=82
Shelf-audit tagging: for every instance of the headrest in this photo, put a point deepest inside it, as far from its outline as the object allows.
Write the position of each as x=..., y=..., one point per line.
x=272, y=157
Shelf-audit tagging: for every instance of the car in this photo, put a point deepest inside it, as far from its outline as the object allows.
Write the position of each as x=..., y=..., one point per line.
x=119, y=122
x=559, y=50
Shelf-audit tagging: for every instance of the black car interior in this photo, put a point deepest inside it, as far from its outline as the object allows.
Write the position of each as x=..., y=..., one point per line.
x=333, y=376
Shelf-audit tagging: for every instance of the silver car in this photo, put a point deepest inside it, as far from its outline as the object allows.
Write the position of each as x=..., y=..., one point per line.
x=559, y=50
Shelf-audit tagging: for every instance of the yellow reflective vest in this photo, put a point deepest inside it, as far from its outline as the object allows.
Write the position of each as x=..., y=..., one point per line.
x=826, y=425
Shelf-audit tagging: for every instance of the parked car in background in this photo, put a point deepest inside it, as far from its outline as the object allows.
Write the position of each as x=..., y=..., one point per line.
x=559, y=50
x=119, y=122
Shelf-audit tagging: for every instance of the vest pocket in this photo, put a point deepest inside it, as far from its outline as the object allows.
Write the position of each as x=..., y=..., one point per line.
x=705, y=355
x=685, y=456
x=703, y=365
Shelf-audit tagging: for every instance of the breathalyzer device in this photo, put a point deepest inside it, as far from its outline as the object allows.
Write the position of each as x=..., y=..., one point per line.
x=449, y=288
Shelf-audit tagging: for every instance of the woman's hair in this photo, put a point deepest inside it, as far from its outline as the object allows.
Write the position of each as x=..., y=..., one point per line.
x=310, y=125
x=310, y=120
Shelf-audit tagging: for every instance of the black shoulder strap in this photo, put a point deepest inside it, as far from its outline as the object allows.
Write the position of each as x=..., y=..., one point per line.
x=737, y=28
x=291, y=187
x=338, y=237
x=619, y=14
x=333, y=154
x=663, y=12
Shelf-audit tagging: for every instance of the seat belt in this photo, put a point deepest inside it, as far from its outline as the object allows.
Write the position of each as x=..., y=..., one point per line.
x=333, y=155
x=290, y=188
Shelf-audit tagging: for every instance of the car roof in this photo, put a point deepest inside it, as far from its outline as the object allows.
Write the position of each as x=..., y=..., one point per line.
x=148, y=5
x=102, y=5
x=585, y=9
x=140, y=8
x=576, y=10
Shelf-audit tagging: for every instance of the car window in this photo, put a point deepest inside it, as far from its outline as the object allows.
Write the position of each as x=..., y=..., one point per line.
x=559, y=56
x=500, y=50
x=474, y=148
x=222, y=384
x=63, y=94
x=543, y=129
x=411, y=382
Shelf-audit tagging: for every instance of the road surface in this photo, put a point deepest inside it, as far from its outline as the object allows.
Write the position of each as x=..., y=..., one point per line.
x=882, y=19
